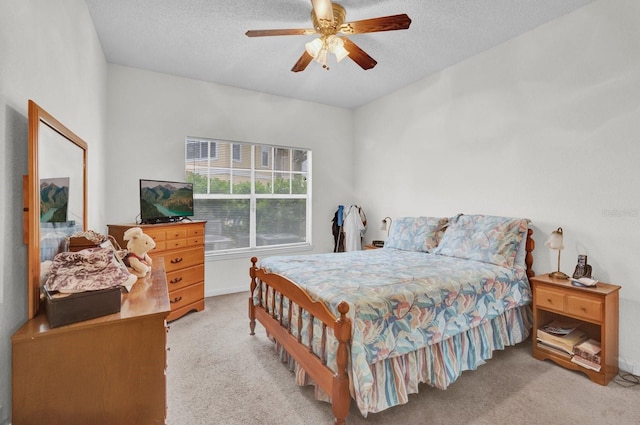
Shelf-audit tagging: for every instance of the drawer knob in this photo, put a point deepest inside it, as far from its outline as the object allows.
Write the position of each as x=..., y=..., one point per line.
x=176, y=280
x=176, y=260
x=549, y=301
x=176, y=299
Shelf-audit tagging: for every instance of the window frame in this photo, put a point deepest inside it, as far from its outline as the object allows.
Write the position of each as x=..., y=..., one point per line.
x=257, y=165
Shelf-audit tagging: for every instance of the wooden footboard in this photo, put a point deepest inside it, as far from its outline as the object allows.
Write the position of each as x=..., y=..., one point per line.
x=275, y=287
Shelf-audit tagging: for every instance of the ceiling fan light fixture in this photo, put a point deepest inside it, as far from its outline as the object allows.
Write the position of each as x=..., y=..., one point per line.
x=314, y=47
x=329, y=19
x=341, y=53
x=336, y=46
x=321, y=58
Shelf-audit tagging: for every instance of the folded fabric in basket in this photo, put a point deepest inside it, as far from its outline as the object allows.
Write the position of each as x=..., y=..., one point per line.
x=86, y=270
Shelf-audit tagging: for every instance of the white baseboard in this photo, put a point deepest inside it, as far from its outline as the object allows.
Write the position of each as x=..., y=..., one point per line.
x=226, y=291
x=632, y=368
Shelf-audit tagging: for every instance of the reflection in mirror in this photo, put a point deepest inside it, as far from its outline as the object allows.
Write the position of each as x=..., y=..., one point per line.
x=56, y=191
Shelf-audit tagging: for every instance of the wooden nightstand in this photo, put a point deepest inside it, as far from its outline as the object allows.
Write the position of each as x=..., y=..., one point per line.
x=597, y=310
x=371, y=246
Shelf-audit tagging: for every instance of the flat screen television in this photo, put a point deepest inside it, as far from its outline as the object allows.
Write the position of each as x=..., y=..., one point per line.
x=165, y=201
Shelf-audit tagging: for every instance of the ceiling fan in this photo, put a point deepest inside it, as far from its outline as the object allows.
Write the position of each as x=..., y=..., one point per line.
x=328, y=20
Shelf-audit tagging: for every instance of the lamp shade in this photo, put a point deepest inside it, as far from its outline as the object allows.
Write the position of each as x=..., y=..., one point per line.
x=386, y=224
x=556, y=240
x=314, y=47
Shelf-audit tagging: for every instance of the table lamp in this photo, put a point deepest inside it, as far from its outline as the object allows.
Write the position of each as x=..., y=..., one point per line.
x=386, y=224
x=555, y=241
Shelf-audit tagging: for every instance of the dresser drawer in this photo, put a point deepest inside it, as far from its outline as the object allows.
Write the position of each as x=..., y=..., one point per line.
x=195, y=231
x=550, y=300
x=157, y=235
x=173, y=234
x=186, y=296
x=160, y=246
x=585, y=308
x=175, y=243
x=185, y=277
x=195, y=241
x=183, y=258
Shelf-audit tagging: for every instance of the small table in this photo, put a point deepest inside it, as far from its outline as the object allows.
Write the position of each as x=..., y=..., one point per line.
x=595, y=308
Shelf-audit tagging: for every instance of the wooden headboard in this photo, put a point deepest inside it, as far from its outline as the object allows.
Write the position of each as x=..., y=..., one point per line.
x=528, y=259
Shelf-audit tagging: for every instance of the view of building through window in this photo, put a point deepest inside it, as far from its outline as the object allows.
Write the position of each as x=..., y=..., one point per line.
x=251, y=195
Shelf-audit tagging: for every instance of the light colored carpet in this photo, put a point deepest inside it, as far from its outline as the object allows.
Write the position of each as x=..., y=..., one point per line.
x=218, y=374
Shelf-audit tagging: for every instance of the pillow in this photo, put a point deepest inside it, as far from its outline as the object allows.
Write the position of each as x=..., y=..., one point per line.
x=489, y=239
x=420, y=234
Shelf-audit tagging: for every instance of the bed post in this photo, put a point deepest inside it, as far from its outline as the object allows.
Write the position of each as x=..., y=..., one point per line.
x=528, y=260
x=341, y=399
x=252, y=314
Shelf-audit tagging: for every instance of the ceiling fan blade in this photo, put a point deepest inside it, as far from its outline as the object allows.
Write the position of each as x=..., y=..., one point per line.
x=323, y=9
x=265, y=33
x=358, y=55
x=384, y=23
x=302, y=63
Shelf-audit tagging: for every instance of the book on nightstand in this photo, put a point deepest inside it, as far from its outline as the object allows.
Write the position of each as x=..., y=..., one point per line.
x=587, y=354
x=562, y=336
x=586, y=363
x=560, y=328
x=553, y=349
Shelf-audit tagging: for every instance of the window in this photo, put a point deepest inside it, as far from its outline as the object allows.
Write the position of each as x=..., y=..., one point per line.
x=252, y=196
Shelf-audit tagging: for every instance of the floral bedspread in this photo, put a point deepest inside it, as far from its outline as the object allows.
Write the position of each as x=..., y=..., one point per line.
x=401, y=301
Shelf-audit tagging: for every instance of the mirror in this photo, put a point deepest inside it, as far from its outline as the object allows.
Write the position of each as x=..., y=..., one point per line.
x=56, y=194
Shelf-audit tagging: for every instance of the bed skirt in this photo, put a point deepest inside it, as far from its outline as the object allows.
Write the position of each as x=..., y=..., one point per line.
x=437, y=365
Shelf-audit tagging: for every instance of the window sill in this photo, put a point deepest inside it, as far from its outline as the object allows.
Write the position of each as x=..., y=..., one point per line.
x=256, y=252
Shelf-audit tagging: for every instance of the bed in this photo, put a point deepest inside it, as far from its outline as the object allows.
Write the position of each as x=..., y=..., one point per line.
x=372, y=325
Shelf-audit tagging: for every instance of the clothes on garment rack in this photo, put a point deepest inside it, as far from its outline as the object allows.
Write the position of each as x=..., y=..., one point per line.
x=338, y=234
x=355, y=223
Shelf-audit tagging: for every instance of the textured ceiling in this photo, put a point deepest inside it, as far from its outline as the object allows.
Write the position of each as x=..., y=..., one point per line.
x=204, y=40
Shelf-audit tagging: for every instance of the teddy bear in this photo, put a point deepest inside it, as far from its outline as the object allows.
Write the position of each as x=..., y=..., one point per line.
x=136, y=258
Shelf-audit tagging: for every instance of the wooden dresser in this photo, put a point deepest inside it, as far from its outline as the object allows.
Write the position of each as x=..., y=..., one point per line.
x=107, y=370
x=182, y=246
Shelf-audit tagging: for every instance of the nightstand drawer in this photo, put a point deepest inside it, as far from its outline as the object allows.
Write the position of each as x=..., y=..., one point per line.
x=551, y=300
x=586, y=308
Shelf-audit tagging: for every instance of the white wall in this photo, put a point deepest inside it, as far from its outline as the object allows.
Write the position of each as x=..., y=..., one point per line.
x=546, y=126
x=49, y=52
x=150, y=114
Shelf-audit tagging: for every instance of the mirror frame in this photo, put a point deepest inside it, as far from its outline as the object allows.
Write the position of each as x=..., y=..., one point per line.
x=38, y=117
